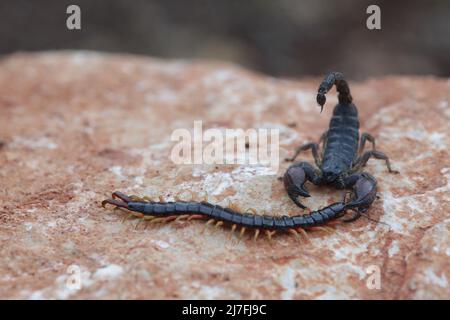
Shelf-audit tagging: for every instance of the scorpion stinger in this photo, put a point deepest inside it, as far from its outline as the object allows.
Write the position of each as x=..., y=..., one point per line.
x=340, y=159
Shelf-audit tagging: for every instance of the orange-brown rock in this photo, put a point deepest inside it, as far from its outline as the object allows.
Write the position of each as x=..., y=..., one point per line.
x=76, y=126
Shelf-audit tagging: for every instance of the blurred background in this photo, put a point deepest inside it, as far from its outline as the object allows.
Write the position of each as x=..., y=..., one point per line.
x=289, y=38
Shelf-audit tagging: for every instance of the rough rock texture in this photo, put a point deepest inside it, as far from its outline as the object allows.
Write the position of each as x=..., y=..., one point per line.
x=77, y=126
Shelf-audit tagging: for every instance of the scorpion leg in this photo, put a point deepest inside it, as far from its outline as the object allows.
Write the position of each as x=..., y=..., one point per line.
x=295, y=178
x=314, y=148
x=366, y=136
x=362, y=160
x=323, y=139
x=364, y=193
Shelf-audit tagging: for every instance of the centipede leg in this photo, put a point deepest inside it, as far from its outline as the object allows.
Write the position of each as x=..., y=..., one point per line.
x=355, y=216
x=135, y=198
x=304, y=234
x=146, y=220
x=157, y=220
x=269, y=234
x=127, y=217
x=255, y=237
x=183, y=216
x=324, y=229
x=206, y=225
x=241, y=234
x=251, y=210
x=233, y=206
x=334, y=223
x=121, y=196
x=295, y=233
x=194, y=216
x=233, y=227
x=137, y=224
x=169, y=219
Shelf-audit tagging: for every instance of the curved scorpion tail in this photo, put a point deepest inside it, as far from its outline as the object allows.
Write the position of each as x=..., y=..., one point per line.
x=227, y=215
x=334, y=78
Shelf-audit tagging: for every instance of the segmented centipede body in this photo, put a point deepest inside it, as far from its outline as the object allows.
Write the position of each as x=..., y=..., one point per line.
x=228, y=215
x=161, y=211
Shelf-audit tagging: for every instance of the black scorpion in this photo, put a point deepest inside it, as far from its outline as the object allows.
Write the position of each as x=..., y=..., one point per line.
x=341, y=158
x=339, y=163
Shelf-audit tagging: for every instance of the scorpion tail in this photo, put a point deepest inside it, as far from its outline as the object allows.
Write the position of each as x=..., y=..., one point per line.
x=334, y=78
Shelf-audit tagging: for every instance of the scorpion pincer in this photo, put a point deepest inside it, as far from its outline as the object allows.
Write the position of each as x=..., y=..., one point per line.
x=341, y=159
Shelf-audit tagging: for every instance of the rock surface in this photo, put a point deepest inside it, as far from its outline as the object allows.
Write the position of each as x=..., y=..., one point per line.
x=77, y=126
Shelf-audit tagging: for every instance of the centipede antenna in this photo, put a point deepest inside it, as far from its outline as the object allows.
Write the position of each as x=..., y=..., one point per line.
x=233, y=206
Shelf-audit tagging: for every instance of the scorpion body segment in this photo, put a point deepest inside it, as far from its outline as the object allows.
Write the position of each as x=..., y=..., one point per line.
x=341, y=143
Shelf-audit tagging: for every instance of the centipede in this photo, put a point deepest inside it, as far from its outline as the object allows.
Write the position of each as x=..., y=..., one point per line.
x=163, y=212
